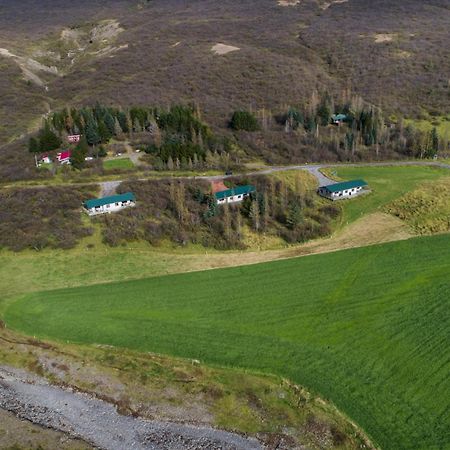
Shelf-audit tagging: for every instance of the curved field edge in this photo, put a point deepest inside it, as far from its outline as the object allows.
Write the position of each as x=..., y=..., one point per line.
x=366, y=328
x=180, y=390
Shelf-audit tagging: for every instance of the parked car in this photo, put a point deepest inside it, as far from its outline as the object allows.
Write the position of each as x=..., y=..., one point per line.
x=228, y=172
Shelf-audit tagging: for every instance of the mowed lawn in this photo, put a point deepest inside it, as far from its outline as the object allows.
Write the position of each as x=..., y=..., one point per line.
x=386, y=183
x=119, y=163
x=367, y=328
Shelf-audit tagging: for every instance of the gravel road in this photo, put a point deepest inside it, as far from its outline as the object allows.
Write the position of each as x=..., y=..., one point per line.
x=109, y=187
x=98, y=423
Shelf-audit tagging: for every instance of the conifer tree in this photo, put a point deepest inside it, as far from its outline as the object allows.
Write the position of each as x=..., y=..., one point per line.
x=294, y=216
x=48, y=140
x=79, y=154
x=109, y=122
x=33, y=145
x=92, y=133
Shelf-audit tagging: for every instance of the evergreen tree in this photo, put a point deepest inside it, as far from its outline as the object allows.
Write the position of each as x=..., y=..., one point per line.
x=244, y=120
x=33, y=145
x=48, y=139
x=294, y=216
x=92, y=133
x=79, y=154
x=123, y=121
x=109, y=122
x=434, y=143
x=104, y=133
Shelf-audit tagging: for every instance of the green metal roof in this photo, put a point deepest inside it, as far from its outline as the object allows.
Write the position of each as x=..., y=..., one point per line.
x=238, y=190
x=95, y=202
x=339, y=116
x=344, y=185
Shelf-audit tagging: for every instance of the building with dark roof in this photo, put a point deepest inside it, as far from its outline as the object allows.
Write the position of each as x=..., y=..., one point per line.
x=346, y=189
x=109, y=204
x=234, y=195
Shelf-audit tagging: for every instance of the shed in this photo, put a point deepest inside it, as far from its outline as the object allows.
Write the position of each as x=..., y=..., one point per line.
x=338, y=119
x=346, y=189
x=107, y=205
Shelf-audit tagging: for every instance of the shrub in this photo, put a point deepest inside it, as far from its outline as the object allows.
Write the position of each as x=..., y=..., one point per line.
x=244, y=120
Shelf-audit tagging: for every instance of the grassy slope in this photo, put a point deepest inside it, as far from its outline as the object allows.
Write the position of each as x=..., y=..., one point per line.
x=92, y=262
x=386, y=184
x=174, y=389
x=366, y=328
x=441, y=123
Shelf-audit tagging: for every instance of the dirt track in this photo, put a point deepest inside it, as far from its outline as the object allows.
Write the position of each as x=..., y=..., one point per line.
x=98, y=423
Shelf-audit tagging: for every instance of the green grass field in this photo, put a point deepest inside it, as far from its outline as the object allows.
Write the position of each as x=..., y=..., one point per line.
x=120, y=163
x=386, y=183
x=367, y=328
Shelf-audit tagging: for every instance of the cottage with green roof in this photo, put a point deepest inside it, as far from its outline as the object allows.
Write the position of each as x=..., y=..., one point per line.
x=346, y=189
x=339, y=119
x=234, y=195
x=107, y=205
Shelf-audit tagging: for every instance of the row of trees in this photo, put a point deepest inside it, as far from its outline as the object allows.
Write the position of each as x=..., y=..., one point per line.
x=177, y=137
x=366, y=130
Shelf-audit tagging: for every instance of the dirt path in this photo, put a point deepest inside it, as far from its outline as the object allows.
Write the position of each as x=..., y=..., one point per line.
x=98, y=423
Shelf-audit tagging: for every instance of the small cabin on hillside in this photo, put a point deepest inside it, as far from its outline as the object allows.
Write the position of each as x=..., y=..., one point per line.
x=234, y=195
x=74, y=138
x=44, y=159
x=107, y=205
x=338, y=119
x=339, y=191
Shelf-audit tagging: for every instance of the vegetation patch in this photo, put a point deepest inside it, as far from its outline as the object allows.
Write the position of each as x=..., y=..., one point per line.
x=188, y=213
x=349, y=325
x=179, y=390
x=386, y=185
x=42, y=217
x=119, y=163
x=426, y=209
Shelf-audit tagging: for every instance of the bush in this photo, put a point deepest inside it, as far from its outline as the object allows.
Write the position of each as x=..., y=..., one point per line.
x=244, y=120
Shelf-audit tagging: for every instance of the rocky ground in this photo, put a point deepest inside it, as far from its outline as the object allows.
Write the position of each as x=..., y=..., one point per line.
x=98, y=423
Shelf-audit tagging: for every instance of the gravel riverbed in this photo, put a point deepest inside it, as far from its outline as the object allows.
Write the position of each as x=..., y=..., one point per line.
x=97, y=422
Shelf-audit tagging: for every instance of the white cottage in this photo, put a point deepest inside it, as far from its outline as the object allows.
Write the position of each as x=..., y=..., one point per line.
x=339, y=191
x=234, y=195
x=109, y=204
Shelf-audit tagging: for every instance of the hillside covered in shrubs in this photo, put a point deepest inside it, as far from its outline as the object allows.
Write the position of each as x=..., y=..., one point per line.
x=186, y=212
x=391, y=59
x=38, y=218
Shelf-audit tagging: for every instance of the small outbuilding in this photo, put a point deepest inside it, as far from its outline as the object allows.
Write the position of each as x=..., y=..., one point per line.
x=346, y=189
x=74, y=138
x=234, y=195
x=44, y=159
x=64, y=157
x=107, y=205
x=338, y=119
